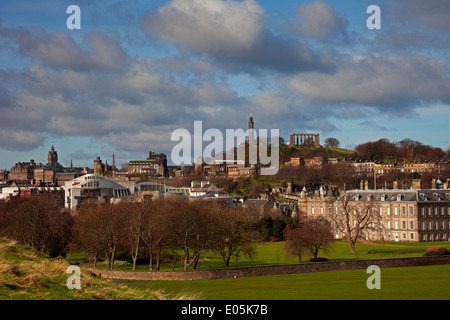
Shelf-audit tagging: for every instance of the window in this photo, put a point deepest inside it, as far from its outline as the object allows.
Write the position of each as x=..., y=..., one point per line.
x=403, y=211
x=395, y=211
x=411, y=225
x=404, y=225
x=411, y=237
x=411, y=211
x=395, y=225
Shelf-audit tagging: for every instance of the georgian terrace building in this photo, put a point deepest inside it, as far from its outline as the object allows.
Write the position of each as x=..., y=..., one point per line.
x=414, y=215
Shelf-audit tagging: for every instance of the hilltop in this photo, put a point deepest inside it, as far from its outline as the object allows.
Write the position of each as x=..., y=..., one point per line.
x=26, y=274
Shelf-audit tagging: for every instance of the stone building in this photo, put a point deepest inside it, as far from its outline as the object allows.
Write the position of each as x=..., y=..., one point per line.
x=52, y=158
x=154, y=165
x=315, y=162
x=413, y=215
x=304, y=140
x=23, y=171
x=37, y=173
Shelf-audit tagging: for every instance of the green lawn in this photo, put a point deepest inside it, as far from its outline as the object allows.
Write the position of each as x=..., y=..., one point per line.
x=431, y=282
x=272, y=253
x=413, y=283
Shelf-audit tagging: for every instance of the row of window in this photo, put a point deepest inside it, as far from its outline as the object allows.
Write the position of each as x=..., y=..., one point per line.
x=435, y=211
x=90, y=184
x=119, y=193
x=403, y=211
x=435, y=225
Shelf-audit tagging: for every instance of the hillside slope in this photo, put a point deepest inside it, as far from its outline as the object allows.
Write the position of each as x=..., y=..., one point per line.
x=26, y=274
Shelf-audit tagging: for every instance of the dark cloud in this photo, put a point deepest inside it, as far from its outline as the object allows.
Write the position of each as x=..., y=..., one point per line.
x=320, y=20
x=412, y=25
x=59, y=50
x=393, y=84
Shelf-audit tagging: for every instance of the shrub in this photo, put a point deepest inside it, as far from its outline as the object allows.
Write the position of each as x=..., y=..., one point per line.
x=437, y=251
x=319, y=259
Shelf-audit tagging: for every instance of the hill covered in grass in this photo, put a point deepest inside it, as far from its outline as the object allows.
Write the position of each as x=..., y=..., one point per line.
x=26, y=274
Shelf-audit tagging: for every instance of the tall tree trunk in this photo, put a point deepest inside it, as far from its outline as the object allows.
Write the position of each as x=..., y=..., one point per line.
x=150, y=252
x=352, y=245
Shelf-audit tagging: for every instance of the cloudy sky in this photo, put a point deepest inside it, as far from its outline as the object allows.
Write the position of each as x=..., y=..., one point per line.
x=137, y=70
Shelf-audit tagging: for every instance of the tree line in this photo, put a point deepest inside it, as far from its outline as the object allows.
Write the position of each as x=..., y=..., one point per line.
x=159, y=230
x=164, y=229
x=405, y=150
x=156, y=231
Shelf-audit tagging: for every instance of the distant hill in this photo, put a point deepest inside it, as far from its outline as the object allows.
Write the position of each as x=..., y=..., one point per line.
x=26, y=274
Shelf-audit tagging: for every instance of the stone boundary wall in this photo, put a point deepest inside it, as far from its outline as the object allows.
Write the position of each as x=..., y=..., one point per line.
x=269, y=270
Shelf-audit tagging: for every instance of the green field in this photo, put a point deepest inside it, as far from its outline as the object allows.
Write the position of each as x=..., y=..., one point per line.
x=414, y=283
x=272, y=253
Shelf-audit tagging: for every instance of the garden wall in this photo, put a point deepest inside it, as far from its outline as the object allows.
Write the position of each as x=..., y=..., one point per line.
x=270, y=270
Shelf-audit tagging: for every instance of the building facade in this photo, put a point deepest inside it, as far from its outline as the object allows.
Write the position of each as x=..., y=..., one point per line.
x=414, y=215
x=155, y=165
x=96, y=189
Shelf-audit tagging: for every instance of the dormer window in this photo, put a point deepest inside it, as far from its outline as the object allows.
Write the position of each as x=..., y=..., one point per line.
x=399, y=197
x=424, y=196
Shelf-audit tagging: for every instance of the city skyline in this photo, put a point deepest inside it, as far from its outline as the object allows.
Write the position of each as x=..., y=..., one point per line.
x=136, y=72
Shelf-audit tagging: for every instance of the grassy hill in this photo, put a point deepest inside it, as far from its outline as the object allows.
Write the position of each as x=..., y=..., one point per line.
x=26, y=274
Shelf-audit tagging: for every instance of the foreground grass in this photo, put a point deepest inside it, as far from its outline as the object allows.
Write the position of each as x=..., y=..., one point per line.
x=412, y=283
x=26, y=274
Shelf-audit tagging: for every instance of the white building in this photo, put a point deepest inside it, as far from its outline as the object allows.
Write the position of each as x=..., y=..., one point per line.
x=96, y=189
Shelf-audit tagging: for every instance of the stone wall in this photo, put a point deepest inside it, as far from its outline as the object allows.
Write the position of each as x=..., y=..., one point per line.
x=270, y=270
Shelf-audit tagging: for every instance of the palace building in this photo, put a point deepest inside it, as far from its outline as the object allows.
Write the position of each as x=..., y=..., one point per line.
x=414, y=215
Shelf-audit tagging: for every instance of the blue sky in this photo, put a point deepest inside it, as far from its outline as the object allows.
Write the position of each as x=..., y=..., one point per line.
x=137, y=70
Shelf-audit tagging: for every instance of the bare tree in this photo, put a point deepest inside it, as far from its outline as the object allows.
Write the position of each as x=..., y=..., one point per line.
x=312, y=235
x=87, y=233
x=355, y=214
x=38, y=222
x=233, y=237
x=134, y=213
x=294, y=243
x=332, y=143
x=155, y=228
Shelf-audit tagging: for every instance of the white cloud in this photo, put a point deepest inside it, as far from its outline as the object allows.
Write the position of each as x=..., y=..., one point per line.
x=208, y=25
